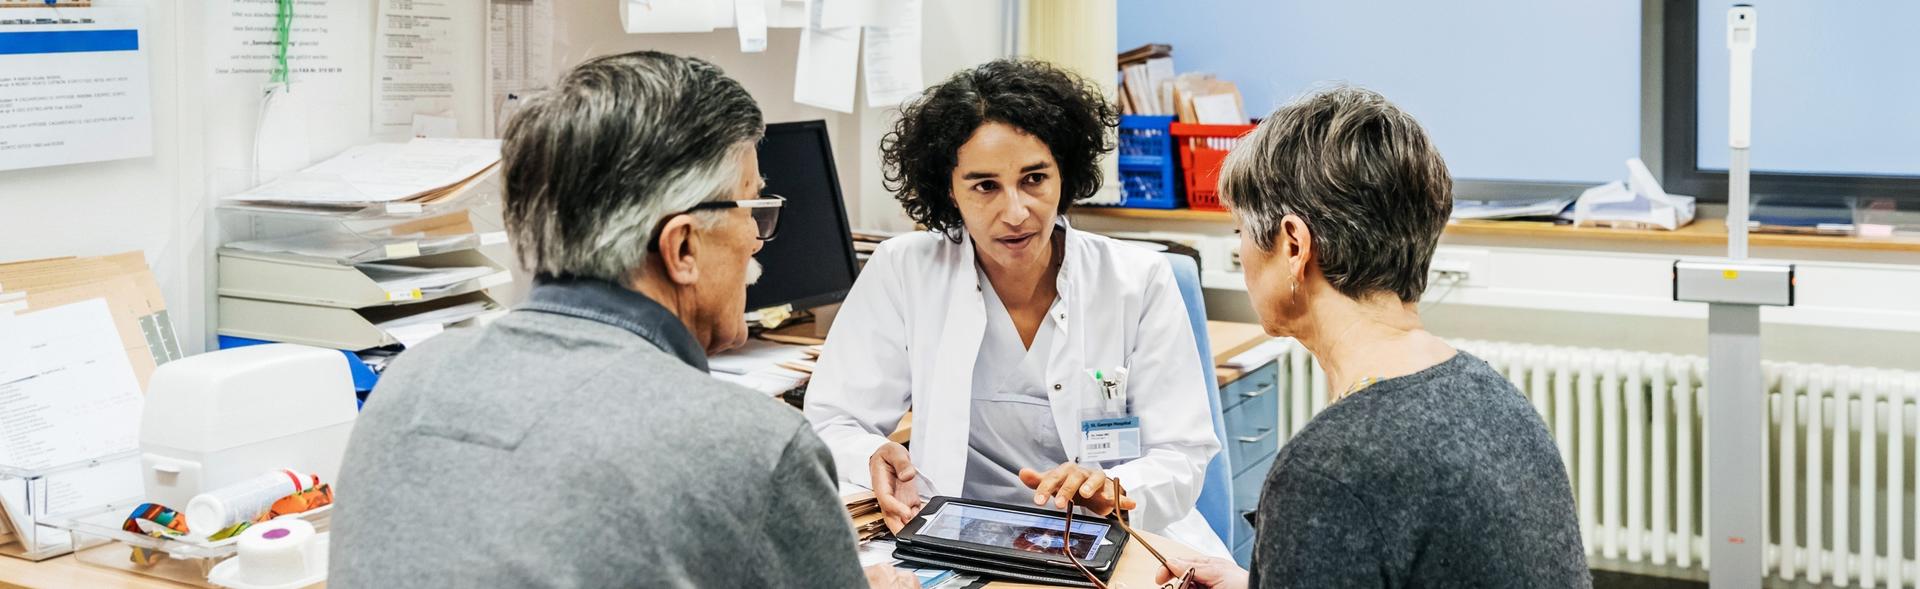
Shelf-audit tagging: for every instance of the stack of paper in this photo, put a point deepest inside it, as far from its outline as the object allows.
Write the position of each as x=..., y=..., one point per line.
x=764, y=366
x=1146, y=80
x=413, y=329
x=1524, y=208
x=429, y=281
x=67, y=395
x=123, y=280
x=422, y=172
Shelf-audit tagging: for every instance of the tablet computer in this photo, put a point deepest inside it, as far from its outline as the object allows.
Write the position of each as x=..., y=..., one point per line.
x=1025, y=538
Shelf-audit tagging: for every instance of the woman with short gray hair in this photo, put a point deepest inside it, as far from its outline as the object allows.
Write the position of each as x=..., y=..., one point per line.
x=1428, y=467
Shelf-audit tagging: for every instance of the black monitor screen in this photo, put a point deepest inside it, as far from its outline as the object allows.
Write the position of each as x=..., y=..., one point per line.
x=810, y=262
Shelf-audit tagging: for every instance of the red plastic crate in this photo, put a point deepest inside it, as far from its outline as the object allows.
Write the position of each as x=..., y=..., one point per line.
x=1202, y=149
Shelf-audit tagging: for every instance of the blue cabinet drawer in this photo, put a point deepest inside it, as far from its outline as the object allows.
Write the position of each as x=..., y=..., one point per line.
x=1246, y=497
x=1253, y=431
x=1262, y=382
x=1243, y=554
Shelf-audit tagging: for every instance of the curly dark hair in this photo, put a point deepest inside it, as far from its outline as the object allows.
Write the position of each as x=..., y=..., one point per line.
x=1063, y=110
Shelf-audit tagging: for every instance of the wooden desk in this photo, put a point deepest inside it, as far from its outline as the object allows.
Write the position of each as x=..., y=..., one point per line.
x=1137, y=567
x=1705, y=230
x=65, y=572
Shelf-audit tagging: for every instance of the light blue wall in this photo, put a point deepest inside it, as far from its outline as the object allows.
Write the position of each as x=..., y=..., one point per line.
x=1836, y=86
x=1509, y=89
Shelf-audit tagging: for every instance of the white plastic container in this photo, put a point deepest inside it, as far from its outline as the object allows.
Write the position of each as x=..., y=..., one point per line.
x=214, y=510
x=223, y=417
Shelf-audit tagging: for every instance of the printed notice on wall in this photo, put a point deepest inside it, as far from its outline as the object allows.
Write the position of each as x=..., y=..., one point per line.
x=73, y=86
x=244, y=38
x=412, y=62
x=520, y=53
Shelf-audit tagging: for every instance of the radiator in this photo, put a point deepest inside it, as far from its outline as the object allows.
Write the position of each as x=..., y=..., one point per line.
x=1630, y=428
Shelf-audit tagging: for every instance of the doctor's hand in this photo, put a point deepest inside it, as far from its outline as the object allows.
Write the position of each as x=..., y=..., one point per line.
x=1213, y=573
x=1073, y=484
x=893, y=485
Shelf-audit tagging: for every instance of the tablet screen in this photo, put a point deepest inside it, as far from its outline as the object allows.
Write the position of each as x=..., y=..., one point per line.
x=1011, y=529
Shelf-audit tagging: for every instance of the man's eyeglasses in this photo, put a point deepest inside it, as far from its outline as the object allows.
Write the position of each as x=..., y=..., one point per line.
x=765, y=211
x=1180, y=580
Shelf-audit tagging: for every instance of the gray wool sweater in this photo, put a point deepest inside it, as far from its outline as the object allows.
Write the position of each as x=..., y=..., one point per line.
x=1442, y=478
x=579, y=442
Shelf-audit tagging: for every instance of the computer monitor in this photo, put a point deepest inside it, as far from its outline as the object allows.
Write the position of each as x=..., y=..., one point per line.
x=810, y=262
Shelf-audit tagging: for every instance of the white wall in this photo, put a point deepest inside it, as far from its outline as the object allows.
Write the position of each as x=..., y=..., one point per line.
x=110, y=207
x=203, y=129
x=958, y=34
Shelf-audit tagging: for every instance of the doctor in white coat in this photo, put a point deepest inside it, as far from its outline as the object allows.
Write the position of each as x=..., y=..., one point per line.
x=992, y=326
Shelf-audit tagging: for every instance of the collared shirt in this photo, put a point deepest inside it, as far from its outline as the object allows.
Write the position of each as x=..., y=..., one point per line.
x=605, y=302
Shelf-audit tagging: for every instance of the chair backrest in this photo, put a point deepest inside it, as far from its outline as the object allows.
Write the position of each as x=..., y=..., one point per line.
x=1216, y=493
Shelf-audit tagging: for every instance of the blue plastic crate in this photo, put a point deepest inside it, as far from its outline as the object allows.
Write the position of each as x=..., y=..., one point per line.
x=1147, y=159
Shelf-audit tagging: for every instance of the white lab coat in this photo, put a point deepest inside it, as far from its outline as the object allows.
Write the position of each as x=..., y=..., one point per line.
x=910, y=331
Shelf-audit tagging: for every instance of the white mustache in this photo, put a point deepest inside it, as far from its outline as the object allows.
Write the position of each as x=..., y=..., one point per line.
x=753, y=271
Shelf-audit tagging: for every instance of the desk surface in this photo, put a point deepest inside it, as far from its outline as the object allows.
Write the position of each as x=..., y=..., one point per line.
x=1137, y=568
x=66, y=572
x=1703, y=231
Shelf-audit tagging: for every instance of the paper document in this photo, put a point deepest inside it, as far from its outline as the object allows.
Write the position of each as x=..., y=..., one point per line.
x=786, y=14
x=751, y=19
x=892, y=53
x=382, y=172
x=829, y=58
x=836, y=14
x=402, y=278
x=520, y=53
x=322, y=41
x=340, y=246
x=67, y=395
x=413, y=61
x=73, y=86
x=756, y=355
x=1219, y=109
x=1510, y=209
x=440, y=317
x=666, y=16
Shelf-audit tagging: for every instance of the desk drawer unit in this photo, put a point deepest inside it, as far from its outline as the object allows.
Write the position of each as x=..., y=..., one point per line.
x=1246, y=497
x=1257, y=383
x=1253, y=426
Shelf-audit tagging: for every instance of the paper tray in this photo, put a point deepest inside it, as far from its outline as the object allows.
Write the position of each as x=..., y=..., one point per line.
x=347, y=242
x=313, y=281
x=34, y=534
x=100, y=542
x=473, y=192
x=331, y=327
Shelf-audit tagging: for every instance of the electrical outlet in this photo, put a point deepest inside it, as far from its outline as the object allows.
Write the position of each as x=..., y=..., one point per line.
x=1454, y=265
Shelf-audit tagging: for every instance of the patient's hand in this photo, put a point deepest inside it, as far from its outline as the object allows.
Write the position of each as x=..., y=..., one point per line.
x=1073, y=484
x=885, y=576
x=1213, y=573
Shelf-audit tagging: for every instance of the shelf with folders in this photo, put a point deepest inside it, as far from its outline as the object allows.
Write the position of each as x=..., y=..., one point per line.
x=367, y=281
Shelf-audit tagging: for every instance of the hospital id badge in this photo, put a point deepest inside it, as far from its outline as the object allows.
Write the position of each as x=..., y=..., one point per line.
x=1114, y=438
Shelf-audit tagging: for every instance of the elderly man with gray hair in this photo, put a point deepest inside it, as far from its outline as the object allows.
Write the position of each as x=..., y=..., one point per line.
x=579, y=441
x=1427, y=468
